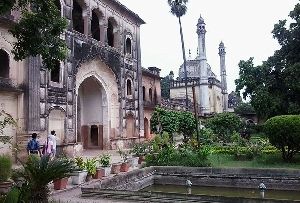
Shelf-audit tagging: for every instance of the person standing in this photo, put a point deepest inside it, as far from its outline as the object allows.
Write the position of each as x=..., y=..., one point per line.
x=33, y=146
x=53, y=138
x=48, y=147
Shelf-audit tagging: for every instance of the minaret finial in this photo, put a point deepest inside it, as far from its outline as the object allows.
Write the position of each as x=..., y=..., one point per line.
x=190, y=55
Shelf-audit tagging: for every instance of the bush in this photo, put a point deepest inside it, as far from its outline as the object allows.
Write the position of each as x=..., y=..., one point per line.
x=284, y=133
x=5, y=168
x=140, y=149
x=224, y=125
x=90, y=166
x=104, y=160
x=38, y=173
x=79, y=163
x=185, y=156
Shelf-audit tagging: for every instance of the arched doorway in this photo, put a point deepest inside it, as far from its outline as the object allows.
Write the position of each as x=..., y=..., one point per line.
x=91, y=110
x=57, y=123
x=146, y=128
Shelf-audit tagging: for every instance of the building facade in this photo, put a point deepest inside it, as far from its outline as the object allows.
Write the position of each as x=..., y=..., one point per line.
x=151, y=96
x=210, y=94
x=95, y=96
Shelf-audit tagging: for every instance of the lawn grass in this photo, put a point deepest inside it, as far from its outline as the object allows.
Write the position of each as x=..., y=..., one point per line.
x=265, y=161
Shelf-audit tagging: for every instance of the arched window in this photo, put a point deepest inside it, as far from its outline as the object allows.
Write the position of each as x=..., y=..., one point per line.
x=55, y=72
x=4, y=64
x=128, y=46
x=129, y=87
x=155, y=96
x=78, y=22
x=150, y=94
x=110, y=33
x=144, y=93
x=95, y=26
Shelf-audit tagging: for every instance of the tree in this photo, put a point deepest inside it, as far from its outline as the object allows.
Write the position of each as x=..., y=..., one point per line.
x=274, y=86
x=244, y=108
x=284, y=133
x=178, y=8
x=165, y=87
x=187, y=124
x=224, y=125
x=39, y=30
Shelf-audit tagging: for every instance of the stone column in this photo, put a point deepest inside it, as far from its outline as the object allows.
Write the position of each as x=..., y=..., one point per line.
x=204, y=93
x=140, y=84
x=34, y=121
x=223, y=77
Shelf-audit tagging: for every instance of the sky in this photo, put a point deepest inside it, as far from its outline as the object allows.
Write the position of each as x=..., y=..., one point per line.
x=243, y=25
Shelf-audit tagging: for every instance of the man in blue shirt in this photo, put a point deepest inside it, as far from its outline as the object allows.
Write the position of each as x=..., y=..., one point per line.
x=33, y=146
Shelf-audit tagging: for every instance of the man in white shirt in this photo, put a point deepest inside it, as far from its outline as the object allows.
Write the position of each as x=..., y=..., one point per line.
x=53, y=138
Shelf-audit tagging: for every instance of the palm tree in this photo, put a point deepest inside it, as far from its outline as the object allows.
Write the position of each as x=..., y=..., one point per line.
x=178, y=8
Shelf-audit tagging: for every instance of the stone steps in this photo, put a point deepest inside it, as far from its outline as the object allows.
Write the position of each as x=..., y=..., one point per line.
x=140, y=198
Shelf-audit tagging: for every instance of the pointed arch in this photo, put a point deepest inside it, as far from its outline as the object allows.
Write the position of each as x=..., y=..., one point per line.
x=4, y=64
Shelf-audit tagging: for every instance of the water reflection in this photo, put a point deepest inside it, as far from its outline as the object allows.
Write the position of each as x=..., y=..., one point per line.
x=226, y=191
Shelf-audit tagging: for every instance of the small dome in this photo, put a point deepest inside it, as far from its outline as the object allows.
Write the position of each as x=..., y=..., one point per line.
x=201, y=20
x=221, y=44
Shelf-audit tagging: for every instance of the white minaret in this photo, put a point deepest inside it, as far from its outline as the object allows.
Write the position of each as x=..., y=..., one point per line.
x=223, y=76
x=204, y=94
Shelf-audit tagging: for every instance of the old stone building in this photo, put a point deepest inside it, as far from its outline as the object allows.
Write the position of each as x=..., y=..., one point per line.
x=210, y=94
x=151, y=96
x=95, y=96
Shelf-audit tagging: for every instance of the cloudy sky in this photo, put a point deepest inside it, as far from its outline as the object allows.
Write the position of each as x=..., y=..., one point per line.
x=243, y=25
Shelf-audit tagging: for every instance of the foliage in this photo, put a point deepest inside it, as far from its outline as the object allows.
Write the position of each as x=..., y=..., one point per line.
x=104, y=160
x=178, y=7
x=5, y=167
x=123, y=154
x=173, y=121
x=244, y=108
x=139, y=149
x=39, y=30
x=38, y=173
x=224, y=125
x=284, y=133
x=5, y=120
x=274, y=86
x=159, y=142
x=185, y=156
x=207, y=136
x=80, y=163
x=165, y=87
x=90, y=166
x=169, y=120
x=187, y=124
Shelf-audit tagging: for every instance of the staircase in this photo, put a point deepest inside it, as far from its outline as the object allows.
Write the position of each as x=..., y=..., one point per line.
x=21, y=143
x=139, y=196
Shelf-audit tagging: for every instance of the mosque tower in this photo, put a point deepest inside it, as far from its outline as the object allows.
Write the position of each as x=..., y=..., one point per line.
x=223, y=76
x=204, y=94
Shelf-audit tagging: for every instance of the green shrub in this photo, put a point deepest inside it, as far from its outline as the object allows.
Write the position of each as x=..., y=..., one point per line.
x=90, y=166
x=284, y=133
x=224, y=125
x=185, y=156
x=207, y=136
x=79, y=163
x=38, y=173
x=140, y=149
x=104, y=160
x=5, y=167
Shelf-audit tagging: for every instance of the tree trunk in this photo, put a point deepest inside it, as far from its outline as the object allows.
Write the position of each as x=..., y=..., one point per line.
x=184, y=63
